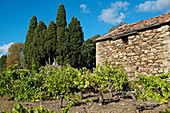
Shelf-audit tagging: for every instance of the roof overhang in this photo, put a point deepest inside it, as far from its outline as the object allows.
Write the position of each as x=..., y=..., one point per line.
x=133, y=32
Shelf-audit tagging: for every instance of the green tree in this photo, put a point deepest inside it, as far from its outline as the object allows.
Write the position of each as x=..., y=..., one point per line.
x=61, y=35
x=51, y=42
x=28, y=49
x=89, y=52
x=3, y=63
x=15, y=51
x=39, y=54
x=75, y=39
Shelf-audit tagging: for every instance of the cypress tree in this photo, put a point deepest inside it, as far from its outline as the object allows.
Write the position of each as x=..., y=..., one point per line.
x=3, y=63
x=76, y=39
x=61, y=35
x=28, y=48
x=39, y=56
x=51, y=42
x=89, y=52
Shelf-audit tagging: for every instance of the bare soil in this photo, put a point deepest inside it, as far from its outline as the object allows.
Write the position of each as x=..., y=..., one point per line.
x=116, y=104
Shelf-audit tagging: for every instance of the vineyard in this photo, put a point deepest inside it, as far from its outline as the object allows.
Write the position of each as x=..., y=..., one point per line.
x=70, y=84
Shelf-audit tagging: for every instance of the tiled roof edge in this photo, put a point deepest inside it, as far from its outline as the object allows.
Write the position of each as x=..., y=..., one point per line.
x=127, y=33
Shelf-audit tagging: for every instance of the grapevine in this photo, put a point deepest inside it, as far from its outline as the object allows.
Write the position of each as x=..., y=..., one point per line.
x=61, y=83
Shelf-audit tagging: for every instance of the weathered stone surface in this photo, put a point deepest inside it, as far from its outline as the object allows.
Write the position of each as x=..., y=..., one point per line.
x=164, y=34
x=147, y=52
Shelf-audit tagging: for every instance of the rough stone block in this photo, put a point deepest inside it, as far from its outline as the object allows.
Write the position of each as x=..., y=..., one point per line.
x=143, y=63
x=160, y=61
x=144, y=59
x=137, y=63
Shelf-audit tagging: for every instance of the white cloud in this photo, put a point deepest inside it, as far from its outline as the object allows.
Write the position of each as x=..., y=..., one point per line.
x=4, y=48
x=84, y=8
x=158, y=5
x=114, y=14
x=1, y=55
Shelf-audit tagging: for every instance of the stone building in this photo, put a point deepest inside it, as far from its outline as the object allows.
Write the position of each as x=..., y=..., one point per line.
x=142, y=47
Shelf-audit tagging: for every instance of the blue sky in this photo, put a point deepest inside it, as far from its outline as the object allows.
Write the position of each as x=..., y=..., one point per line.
x=96, y=16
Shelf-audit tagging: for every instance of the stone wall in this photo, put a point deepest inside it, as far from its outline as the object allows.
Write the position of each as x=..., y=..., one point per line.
x=147, y=52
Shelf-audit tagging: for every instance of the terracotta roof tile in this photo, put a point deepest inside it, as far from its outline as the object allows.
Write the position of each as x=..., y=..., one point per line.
x=138, y=25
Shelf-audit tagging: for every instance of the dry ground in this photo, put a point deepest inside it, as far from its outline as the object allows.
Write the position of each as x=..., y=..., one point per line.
x=114, y=105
